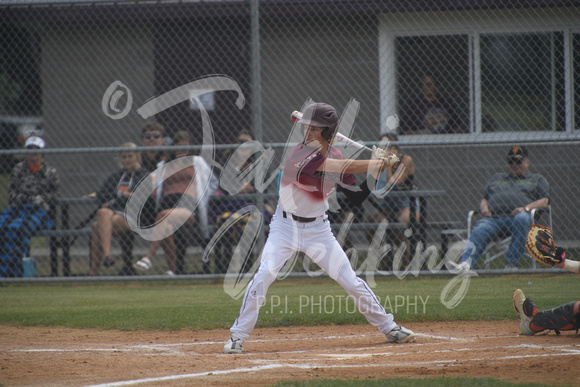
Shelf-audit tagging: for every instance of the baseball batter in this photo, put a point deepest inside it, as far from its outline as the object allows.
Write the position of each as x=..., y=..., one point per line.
x=312, y=172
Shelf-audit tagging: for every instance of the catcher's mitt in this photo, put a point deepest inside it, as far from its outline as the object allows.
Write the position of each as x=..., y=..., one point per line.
x=540, y=245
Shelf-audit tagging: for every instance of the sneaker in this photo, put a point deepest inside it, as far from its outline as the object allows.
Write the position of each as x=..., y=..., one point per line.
x=143, y=264
x=454, y=267
x=400, y=334
x=510, y=267
x=234, y=345
x=519, y=300
x=109, y=261
x=169, y=272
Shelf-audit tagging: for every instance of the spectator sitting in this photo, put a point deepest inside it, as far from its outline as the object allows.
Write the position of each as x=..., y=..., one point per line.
x=429, y=114
x=243, y=137
x=112, y=197
x=397, y=209
x=507, y=201
x=34, y=187
x=237, y=180
x=186, y=187
x=152, y=135
x=223, y=212
x=235, y=177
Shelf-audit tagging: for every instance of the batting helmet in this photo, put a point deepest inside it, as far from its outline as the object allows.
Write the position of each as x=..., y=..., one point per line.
x=321, y=115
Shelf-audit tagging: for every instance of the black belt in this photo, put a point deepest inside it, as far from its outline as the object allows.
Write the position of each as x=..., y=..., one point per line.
x=299, y=218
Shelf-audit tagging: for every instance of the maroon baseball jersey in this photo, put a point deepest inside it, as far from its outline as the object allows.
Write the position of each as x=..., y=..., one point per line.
x=304, y=191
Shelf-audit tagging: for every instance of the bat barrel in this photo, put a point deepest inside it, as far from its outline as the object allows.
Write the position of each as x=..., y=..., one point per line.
x=296, y=116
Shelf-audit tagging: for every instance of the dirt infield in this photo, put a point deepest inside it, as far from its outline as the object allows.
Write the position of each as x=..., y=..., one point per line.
x=76, y=357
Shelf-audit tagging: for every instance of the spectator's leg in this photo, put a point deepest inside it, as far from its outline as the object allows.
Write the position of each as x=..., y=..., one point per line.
x=482, y=234
x=22, y=228
x=404, y=216
x=520, y=224
x=96, y=251
x=206, y=265
x=170, y=220
x=385, y=262
x=177, y=245
x=105, y=226
x=157, y=233
x=420, y=207
x=180, y=238
x=120, y=228
x=222, y=253
x=245, y=246
x=169, y=248
x=18, y=232
x=54, y=243
x=5, y=254
x=418, y=223
x=12, y=254
x=127, y=242
x=7, y=264
x=101, y=236
x=380, y=250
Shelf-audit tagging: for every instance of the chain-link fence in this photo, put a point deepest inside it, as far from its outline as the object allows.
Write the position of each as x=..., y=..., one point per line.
x=461, y=84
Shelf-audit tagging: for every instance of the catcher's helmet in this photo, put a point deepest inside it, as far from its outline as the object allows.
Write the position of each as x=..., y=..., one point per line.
x=321, y=115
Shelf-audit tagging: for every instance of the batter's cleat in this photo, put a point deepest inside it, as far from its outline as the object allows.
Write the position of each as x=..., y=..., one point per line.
x=400, y=335
x=519, y=304
x=234, y=345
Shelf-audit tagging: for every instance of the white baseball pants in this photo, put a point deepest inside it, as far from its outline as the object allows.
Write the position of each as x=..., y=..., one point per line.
x=316, y=240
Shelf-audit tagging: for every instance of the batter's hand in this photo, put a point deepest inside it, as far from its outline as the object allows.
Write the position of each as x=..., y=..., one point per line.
x=396, y=164
x=390, y=161
x=379, y=153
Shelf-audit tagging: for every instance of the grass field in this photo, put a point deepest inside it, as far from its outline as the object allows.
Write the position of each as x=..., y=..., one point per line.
x=172, y=306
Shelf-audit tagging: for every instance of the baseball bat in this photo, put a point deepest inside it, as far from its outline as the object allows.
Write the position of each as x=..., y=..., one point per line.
x=296, y=116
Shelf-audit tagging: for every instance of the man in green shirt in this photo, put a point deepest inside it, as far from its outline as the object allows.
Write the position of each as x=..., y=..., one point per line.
x=507, y=201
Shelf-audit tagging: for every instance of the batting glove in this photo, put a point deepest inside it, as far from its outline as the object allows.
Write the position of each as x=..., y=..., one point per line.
x=390, y=160
x=379, y=153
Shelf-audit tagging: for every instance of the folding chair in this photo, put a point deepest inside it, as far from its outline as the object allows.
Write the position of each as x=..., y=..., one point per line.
x=499, y=246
